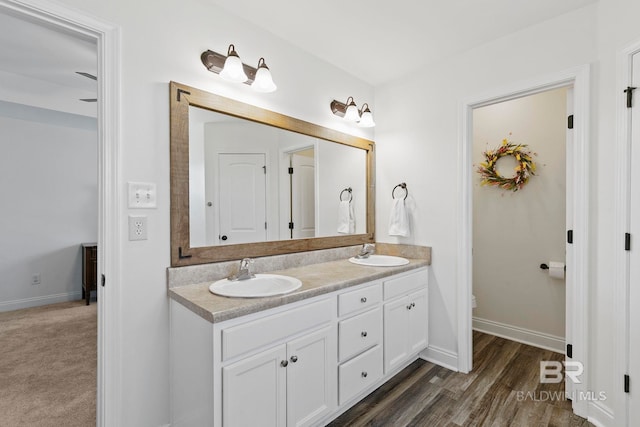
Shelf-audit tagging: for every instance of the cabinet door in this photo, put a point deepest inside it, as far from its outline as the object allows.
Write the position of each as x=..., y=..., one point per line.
x=311, y=377
x=254, y=390
x=396, y=333
x=418, y=321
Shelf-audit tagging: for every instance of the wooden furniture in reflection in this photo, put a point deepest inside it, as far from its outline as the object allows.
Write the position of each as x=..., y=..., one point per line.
x=89, y=269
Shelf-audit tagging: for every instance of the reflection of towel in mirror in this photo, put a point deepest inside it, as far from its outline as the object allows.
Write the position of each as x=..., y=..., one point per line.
x=398, y=219
x=346, y=218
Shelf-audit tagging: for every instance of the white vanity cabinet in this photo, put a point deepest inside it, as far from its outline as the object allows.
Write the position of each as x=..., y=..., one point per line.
x=359, y=340
x=405, y=318
x=289, y=385
x=299, y=364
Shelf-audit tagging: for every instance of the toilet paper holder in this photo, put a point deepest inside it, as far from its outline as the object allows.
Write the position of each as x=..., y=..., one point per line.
x=546, y=267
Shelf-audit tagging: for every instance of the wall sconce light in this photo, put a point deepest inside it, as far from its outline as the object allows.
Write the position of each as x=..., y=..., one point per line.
x=349, y=111
x=232, y=69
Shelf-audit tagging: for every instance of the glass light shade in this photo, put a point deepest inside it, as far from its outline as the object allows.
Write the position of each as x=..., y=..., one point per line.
x=263, y=81
x=351, y=114
x=233, y=70
x=366, y=120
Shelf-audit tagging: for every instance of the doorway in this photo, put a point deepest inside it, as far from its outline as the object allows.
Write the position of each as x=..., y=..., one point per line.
x=518, y=231
x=107, y=38
x=577, y=260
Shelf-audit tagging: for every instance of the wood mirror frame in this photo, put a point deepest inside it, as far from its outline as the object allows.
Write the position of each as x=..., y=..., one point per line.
x=182, y=254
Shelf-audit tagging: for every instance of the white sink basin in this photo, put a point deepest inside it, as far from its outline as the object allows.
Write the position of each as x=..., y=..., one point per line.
x=263, y=285
x=380, y=261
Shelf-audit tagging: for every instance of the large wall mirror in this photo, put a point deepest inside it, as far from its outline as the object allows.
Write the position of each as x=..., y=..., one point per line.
x=248, y=182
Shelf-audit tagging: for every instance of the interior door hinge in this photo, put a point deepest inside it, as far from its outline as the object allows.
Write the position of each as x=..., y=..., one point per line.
x=103, y=281
x=629, y=91
x=265, y=225
x=627, y=385
x=570, y=122
x=569, y=351
x=290, y=171
x=570, y=236
x=290, y=226
x=627, y=241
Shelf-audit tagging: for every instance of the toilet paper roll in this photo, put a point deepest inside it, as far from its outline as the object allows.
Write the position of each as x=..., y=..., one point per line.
x=556, y=270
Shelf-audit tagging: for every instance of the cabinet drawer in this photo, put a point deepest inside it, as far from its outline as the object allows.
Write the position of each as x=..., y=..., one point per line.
x=359, y=299
x=240, y=339
x=359, y=373
x=405, y=284
x=359, y=333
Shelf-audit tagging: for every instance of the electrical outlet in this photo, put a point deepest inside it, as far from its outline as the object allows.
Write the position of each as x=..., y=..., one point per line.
x=142, y=195
x=36, y=279
x=137, y=227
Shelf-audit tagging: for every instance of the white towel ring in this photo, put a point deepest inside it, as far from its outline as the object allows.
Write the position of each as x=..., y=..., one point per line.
x=402, y=185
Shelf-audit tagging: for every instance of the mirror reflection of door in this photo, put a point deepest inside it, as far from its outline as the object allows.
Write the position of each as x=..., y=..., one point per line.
x=302, y=194
x=242, y=195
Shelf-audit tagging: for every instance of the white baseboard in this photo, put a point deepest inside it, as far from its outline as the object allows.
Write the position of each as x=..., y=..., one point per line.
x=38, y=301
x=441, y=357
x=600, y=415
x=525, y=336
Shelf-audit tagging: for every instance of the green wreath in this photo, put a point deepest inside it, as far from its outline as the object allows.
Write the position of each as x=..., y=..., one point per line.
x=525, y=169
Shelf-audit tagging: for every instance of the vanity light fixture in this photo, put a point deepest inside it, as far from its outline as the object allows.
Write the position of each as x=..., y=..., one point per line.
x=349, y=111
x=232, y=69
x=263, y=81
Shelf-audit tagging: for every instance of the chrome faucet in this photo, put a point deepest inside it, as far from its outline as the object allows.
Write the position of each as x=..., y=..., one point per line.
x=367, y=249
x=244, y=272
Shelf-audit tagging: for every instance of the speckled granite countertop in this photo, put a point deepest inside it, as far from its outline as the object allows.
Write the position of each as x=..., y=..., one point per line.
x=317, y=279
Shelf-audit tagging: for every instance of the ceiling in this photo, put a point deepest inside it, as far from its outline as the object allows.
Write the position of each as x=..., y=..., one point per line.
x=379, y=41
x=42, y=61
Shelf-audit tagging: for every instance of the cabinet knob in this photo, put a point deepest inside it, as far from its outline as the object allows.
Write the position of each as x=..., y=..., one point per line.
x=363, y=300
x=284, y=363
x=363, y=334
x=294, y=359
x=413, y=304
x=364, y=374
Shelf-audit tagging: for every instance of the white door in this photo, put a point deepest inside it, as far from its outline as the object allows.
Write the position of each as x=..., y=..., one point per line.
x=254, y=390
x=418, y=321
x=634, y=255
x=303, y=195
x=396, y=333
x=569, y=258
x=242, y=201
x=311, y=373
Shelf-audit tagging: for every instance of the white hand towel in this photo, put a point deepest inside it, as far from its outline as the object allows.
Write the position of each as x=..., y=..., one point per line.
x=399, y=219
x=346, y=218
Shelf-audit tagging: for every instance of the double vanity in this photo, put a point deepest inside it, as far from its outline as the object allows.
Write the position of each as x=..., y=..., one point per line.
x=308, y=328
x=300, y=358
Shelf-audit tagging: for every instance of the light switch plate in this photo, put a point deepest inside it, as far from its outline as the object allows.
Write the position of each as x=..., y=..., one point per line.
x=142, y=195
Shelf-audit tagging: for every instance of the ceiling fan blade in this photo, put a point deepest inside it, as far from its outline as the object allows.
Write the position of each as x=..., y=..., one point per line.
x=87, y=75
x=89, y=99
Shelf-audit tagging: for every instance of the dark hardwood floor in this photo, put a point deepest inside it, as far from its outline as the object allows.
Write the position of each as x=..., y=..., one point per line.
x=503, y=390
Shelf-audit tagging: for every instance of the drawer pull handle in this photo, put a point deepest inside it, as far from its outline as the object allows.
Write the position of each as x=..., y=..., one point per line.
x=284, y=363
x=363, y=334
x=363, y=300
x=364, y=374
x=294, y=359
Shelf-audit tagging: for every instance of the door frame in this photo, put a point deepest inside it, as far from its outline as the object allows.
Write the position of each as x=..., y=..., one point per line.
x=107, y=38
x=579, y=78
x=622, y=223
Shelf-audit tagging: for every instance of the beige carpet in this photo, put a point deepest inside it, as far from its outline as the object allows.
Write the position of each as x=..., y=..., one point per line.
x=48, y=360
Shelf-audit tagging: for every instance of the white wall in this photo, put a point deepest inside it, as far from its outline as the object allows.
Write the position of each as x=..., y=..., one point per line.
x=514, y=232
x=162, y=41
x=48, y=192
